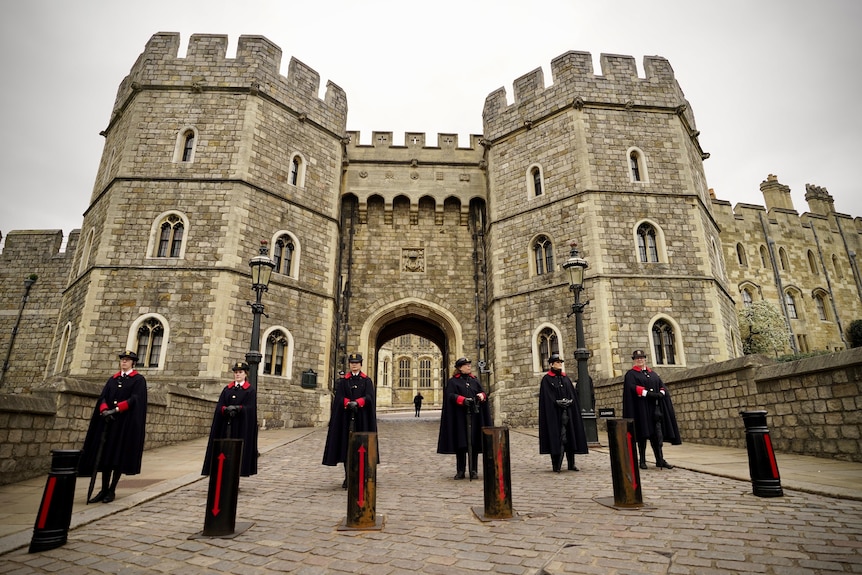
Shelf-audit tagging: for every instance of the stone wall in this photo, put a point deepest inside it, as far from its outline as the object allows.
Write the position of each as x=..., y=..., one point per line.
x=814, y=405
x=57, y=413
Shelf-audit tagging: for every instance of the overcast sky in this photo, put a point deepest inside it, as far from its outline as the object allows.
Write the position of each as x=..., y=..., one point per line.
x=774, y=84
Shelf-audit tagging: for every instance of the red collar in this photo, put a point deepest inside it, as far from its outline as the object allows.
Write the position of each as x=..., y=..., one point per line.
x=645, y=368
x=464, y=375
x=244, y=385
x=349, y=374
x=131, y=373
x=553, y=374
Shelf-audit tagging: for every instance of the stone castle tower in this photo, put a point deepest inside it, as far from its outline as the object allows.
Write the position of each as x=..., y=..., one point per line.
x=460, y=244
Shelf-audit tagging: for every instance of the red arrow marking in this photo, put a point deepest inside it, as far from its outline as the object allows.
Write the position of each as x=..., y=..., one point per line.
x=500, y=471
x=361, y=501
x=632, y=459
x=771, y=453
x=46, y=502
x=221, y=458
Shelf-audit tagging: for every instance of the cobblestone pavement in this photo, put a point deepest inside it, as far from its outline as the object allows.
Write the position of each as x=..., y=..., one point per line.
x=691, y=523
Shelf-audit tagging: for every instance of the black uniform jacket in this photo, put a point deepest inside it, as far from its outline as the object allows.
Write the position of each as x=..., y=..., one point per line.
x=645, y=410
x=556, y=386
x=242, y=426
x=453, y=416
x=357, y=388
x=124, y=435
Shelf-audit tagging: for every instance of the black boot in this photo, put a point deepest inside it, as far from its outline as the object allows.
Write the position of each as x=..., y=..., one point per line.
x=659, y=456
x=556, y=462
x=642, y=453
x=459, y=474
x=571, y=460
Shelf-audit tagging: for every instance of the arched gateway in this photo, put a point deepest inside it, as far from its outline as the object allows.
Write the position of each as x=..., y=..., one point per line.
x=410, y=316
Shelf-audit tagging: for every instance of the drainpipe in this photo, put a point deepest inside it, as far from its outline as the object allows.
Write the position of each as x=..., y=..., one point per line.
x=28, y=283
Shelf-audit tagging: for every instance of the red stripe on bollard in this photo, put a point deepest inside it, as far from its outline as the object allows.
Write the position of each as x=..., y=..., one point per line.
x=772, y=462
x=46, y=503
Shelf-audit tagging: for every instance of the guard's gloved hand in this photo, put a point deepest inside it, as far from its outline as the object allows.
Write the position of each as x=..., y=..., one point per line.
x=654, y=395
x=469, y=401
x=231, y=410
x=109, y=414
x=565, y=402
x=352, y=405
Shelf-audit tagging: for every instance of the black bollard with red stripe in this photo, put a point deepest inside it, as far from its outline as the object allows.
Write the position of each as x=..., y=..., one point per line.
x=55, y=511
x=765, y=479
x=624, y=467
x=497, y=473
x=223, y=491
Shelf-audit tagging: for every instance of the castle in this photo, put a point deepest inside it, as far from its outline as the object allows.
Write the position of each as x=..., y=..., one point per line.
x=458, y=243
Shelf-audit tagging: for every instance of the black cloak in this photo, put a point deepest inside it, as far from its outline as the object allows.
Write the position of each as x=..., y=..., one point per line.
x=242, y=426
x=644, y=409
x=556, y=386
x=124, y=441
x=358, y=388
x=453, y=415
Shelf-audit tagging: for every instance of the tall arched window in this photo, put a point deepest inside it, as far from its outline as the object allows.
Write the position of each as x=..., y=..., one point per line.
x=282, y=254
x=170, y=237
x=149, y=345
x=634, y=164
x=64, y=346
x=764, y=257
x=812, y=263
x=425, y=372
x=740, y=255
x=821, y=301
x=275, y=358
x=296, y=171
x=790, y=304
x=404, y=372
x=543, y=251
x=387, y=367
x=537, y=182
x=664, y=347
x=548, y=345
x=838, y=271
x=85, y=251
x=637, y=165
x=188, y=146
x=782, y=259
x=647, y=246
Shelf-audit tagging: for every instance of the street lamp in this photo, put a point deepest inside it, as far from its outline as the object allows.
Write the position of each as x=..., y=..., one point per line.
x=576, y=266
x=261, y=271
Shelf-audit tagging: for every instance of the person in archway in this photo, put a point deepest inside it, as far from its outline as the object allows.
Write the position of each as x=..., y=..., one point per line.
x=417, y=402
x=646, y=399
x=464, y=401
x=353, y=403
x=235, y=417
x=115, y=439
x=561, y=428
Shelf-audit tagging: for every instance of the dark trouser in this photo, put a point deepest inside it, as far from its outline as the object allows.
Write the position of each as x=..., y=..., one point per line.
x=557, y=460
x=461, y=460
x=656, y=440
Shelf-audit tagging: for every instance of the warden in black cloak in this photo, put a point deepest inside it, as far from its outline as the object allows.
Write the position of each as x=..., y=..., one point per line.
x=463, y=398
x=561, y=428
x=354, y=401
x=235, y=417
x=646, y=399
x=117, y=429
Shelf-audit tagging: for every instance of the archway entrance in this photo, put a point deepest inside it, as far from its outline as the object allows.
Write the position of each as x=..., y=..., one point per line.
x=413, y=342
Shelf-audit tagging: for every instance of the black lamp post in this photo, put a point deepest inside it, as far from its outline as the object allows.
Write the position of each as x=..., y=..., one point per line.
x=261, y=272
x=576, y=267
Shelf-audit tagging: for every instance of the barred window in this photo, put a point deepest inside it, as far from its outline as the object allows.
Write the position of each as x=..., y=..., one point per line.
x=647, y=247
x=424, y=372
x=275, y=355
x=543, y=251
x=548, y=345
x=663, y=343
x=149, y=345
x=404, y=372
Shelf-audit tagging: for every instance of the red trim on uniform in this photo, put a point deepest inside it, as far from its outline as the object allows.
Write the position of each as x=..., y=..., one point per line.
x=118, y=374
x=640, y=389
x=461, y=399
x=103, y=407
x=644, y=368
x=361, y=402
x=123, y=406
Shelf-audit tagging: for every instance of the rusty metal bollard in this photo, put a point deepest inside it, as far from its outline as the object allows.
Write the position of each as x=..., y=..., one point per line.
x=362, y=482
x=765, y=479
x=624, y=467
x=497, y=473
x=55, y=511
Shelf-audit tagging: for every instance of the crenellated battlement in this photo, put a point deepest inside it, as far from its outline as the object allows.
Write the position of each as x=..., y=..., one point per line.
x=576, y=84
x=416, y=147
x=256, y=67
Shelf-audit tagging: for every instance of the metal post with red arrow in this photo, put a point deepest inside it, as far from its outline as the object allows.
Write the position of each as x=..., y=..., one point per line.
x=497, y=475
x=362, y=482
x=624, y=466
x=223, y=491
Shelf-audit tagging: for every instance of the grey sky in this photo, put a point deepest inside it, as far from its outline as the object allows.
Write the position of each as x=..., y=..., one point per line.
x=773, y=83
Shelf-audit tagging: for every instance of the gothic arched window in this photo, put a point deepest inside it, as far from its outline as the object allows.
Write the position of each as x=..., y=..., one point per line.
x=548, y=345
x=149, y=345
x=170, y=237
x=664, y=343
x=404, y=372
x=275, y=358
x=543, y=251
x=425, y=372
x=647, y=246
x=790, y=304
x=282, y=254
